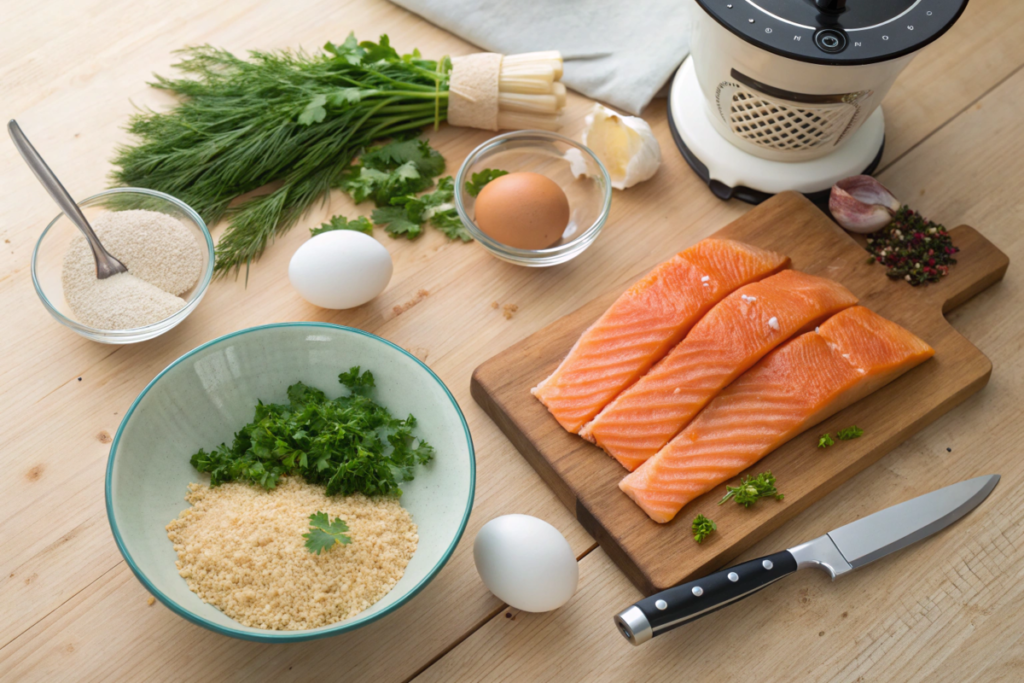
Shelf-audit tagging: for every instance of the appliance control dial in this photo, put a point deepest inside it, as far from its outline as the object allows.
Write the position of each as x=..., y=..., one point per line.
x=830, y=40
x=836, y=32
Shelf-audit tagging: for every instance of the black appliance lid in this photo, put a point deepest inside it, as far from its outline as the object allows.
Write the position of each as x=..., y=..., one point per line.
x=837, y=32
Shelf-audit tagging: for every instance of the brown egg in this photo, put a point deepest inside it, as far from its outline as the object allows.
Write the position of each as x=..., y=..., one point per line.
x=523, y=210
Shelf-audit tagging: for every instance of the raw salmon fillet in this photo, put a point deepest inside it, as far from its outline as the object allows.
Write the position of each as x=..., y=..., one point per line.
x=645, y=322
x=734, y=335
x=798, y=385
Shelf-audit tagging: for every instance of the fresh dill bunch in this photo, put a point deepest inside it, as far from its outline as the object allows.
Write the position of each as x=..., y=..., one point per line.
x=289, y=118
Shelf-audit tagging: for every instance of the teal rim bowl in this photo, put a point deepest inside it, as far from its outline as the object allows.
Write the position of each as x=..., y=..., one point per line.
x=206, y=395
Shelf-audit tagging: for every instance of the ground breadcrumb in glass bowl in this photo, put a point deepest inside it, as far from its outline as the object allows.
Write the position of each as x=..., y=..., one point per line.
x=170, y=264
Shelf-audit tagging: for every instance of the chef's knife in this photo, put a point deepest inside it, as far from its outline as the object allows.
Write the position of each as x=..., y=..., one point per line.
x=837, y=552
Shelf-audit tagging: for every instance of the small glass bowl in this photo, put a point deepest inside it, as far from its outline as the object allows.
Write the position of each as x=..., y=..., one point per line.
x=552, y=155
x=48, y=260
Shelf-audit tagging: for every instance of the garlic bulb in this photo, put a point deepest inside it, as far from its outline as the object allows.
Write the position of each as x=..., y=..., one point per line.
x=862, y=204
x=624, y=144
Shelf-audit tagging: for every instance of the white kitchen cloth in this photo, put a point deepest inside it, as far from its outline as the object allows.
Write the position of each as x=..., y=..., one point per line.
x=618, y=51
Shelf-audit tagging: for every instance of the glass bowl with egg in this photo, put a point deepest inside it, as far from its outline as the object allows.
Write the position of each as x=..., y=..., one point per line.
x=173, y=251
x=547, y=207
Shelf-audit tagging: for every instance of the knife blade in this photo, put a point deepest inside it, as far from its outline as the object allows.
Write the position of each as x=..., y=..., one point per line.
x=839, y=551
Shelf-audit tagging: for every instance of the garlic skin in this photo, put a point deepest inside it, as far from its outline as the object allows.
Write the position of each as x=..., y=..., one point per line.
x=624, y=144
x=862, y=204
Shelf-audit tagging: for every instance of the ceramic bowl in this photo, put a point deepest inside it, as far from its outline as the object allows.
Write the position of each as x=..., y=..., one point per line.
x=48, y=260
x=570, y=164
x=205, y=396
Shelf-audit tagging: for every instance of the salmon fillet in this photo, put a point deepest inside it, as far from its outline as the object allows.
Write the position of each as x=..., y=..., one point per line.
x=734, y=335
x=645, y=322
x=798, y=385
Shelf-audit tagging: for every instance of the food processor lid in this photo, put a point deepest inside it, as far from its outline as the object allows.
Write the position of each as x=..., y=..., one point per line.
x=839, y=32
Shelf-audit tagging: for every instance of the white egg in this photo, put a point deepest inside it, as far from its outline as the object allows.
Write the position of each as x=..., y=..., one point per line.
x=340, y=269
x=526, y=563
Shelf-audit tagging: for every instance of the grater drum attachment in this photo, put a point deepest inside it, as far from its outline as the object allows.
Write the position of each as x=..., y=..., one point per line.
x=790, y=126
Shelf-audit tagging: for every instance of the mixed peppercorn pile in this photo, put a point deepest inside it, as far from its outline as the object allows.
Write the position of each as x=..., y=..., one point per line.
x=913, y=248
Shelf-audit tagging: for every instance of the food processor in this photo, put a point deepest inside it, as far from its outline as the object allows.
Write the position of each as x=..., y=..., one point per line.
x=784, y=94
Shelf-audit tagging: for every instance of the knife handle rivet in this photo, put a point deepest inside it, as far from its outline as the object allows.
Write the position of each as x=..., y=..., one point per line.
x=767, y=564
x=661, y=604
x=734, y=577
x=698, y=591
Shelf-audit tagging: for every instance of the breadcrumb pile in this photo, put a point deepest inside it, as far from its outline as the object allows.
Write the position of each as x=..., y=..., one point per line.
x=240, y=548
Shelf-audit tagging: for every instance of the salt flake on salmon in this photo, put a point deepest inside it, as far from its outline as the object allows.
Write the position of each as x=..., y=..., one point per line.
x=801, y=383
x=645, y=322
x=734, y=335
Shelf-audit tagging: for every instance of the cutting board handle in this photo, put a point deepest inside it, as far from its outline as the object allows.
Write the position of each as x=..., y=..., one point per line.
x=980, y=264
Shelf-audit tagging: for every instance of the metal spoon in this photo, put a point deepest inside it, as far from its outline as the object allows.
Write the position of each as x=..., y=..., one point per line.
x=106, y=265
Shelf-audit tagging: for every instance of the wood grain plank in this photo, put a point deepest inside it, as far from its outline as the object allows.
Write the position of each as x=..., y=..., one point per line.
x=72, y=72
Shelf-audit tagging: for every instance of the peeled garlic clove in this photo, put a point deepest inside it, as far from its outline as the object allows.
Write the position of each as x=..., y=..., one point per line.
x=624, y=144
x=862, y=204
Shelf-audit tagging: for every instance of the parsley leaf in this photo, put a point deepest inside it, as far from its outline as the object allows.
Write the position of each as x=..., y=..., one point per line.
x=451, y=225
x=361, y=224
x=407, y=214
x=425, y=206
x=478, y=180
x=361, y=384
x=348, y=444
x=825, y=440
x=849, y=433
x=752, y=489
x=702, y=527
x=426, y=160
x=398, y=168
x=315, y=112
x=323, y=534
x=396, y=222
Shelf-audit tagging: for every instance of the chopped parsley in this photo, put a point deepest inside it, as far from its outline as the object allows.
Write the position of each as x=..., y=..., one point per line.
x=753, y=489
x=348, y=444
x=702, y=527
x=323, y=534
x=854, y=432
x=825, y=440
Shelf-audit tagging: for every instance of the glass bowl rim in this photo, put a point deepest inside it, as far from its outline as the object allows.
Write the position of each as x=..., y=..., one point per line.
x=80, y=327
x=585, y=236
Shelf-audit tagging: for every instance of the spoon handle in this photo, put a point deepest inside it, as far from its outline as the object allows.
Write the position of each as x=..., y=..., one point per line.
x=106, y=264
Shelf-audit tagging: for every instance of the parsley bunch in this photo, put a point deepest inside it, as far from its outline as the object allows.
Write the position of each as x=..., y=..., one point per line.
x=348, y=444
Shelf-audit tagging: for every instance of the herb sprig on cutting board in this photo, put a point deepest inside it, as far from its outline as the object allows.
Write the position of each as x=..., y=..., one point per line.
x=294, y=119
x=350, y=444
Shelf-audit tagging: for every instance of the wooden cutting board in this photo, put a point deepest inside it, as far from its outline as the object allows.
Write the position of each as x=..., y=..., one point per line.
x=657, y=556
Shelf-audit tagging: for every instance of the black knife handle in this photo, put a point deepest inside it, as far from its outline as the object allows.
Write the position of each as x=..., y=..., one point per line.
x=686, y=602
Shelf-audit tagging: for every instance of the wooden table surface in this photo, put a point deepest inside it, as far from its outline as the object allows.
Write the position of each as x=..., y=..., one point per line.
x=949, y=608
